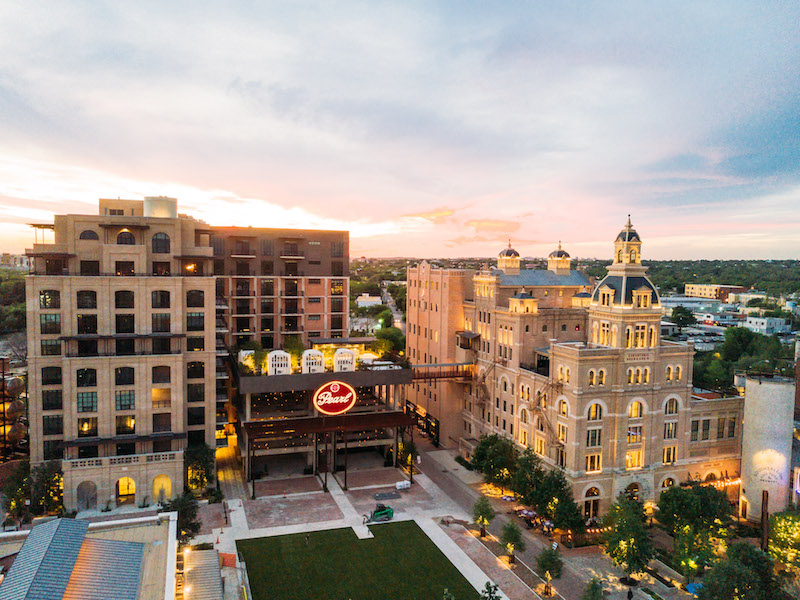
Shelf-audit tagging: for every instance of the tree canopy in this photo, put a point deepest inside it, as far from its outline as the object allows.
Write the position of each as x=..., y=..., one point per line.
x=483, y=513
x=186, y=506
x=627, y=542
x=682, y=317
x=512, y=540
x=746, y=573
x=784, y=537
x=496, y=458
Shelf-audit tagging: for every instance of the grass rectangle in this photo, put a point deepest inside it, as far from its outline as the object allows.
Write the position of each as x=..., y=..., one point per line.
x=400, y=562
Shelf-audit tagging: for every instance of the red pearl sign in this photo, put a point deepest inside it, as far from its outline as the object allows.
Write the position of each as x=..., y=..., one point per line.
x=334, y=398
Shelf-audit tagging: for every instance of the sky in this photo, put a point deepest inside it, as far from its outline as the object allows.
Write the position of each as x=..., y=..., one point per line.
x=426, y=129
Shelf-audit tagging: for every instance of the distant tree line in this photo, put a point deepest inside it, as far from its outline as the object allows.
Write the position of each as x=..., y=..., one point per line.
x=12, y=301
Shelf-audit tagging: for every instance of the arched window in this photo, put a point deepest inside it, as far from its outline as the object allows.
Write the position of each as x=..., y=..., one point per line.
x=678, y=373
x=562, y=408
x=647, y=374
x=523, y=416
x=195, y=298
x=592, y=492
x=505, y=385
x=566, y=375
x=671, y=407
x=591, y=378
x=668, y=374
x=591, y=504
x=652, y=337
x=561, y=373
x=601, y=377
x=635, y=410
x=87, y=299
x=630, y=375
x=667, y=483
x=638, y=375
x=88, y=234
x=632, y=491
x=633, y=256
x=126, y=238
x=596, y=412
x=539, y=424
x=86, y=378
x=619, y=256
x=711, y=477
x=628, y=337
x=161, y=243
x=161, y=374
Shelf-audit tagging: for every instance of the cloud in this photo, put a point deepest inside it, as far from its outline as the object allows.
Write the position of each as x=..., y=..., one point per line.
x=490, y=225
x=436, y=216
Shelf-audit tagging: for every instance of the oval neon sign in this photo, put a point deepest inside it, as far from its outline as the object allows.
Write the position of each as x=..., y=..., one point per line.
x=334, y=398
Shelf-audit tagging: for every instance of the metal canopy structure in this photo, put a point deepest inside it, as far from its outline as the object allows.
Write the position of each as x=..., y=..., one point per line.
x=351, y=422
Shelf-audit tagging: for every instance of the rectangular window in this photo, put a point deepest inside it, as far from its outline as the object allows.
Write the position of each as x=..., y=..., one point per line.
x=633, y=459
x=562, y=432
x=195, y=321
x=196, y=392
x=337, y=249
x=267, y=287
x=160, y=299
x=53, y=450
x=50, y=299
x=161, y=268
x=87, y=324
x=695, y=430
x=162, y=422
x=337, y=268
x=124, y=323
x=218, y=244
x=124, y=376
x=267, y=248
x=337, y=305
x=314, y=300
x=196, y=415
x=51, y=347
x=594, y=463
x=671, y=430
x=161, y=323
x=86, y=299
x=337, y=287
x=539, y=446
x=594, y=437
x=126, y=425
x=126, y=449
x=314, y=317
x=706, y=429
x=87, y=402
x=267, y=267
x=670, y=452
x=123, y=268
x=52, y=400
x=635, y=434
x=125, y=347
x=124, y=400
x=90, y=267
x=195, y=344
x=51, y=375
x=52, y=425
x=731, y=427
x=50, y=323
x=721, y=428
x=87, y=427
x=162, y=346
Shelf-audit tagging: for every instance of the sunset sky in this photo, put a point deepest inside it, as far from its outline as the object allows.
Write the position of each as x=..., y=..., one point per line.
x=425, y=128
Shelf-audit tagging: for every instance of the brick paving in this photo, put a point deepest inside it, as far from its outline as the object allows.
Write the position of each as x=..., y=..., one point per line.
x=211, y=516
x=368, y=477
x=290, y=485
x=276, y=511
x=364, y=501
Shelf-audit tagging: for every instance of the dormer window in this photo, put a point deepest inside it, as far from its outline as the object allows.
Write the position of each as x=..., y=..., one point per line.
x=605, y=297
x=642, y=298
x=619, y=256
x=633, y=256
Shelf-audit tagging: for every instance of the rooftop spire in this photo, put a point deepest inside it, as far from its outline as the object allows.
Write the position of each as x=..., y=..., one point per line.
x=628, y=224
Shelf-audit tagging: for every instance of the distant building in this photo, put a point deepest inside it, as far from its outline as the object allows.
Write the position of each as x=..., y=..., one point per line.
x=767, y=325
x=365, y=300
x=713, y=291
x=15, y=261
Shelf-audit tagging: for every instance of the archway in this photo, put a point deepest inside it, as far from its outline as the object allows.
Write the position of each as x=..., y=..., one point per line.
x=591, y=504
x=126, y=491
x=632, y=491
x=87, y=496
x=162, y=488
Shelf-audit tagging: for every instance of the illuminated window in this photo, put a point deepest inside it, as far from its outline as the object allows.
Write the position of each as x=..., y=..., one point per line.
x=667, y=483
x=591, y=378
x=594, y=437
x=562, y=408
x=678, y=373
x=669, y=454
x=594, y=463
x=670, y=430
x=539, y=446
x=595, y=412
x=601, y=377
x=635, y=410
x=49, y=299
x=668, y=374
x=635, y=434
x=562, y=433
x=633, y=459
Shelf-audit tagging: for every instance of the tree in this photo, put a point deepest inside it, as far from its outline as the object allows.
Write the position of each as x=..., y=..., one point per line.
x=553, y=499
x=527, y=477
x=394, y=335
x=16, y=489
x=593, y=590
x=549, y=561
x=511, y=538
x=483, y=513
x=784, y=537
x=627, y=542
x=186, y=506
x=489, y=592
x=200, y=463
x=746, y=573
x=46, y=488
x=682, y=317
x=496, y=458
x=698, y=518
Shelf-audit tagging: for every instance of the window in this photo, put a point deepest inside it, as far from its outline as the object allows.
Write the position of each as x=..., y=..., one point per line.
x=162, y=346
x=162, y=423
x=635, y=410
x=601, y=377
x=668, y=374
x=594, y=463
x=90, y=267
x=126, y=449
x=126, y=425
x=337, y=249
x=124, y=323
x=49, y=299
x=539, y=446
x=86, y=378
x=596, y=412
x=53, y=450
x=195, y=299
x=52, y=425
x=87, y=427
x=195, y=344
x=125, y=347
x=161, y=374
x=633, y=459
x=671, y=430
x=562, y=408
x=635, y=434
x=594, y=437
x=87, y=324
x=195, y=370
x=160, y=299
x=87, y=347
x=161, y=269
x=671, y=408
x=123, y=299
x=88, y=234
x=52, y=400
x=161, y=323
x=88, y=451
x=126, y=238
x=721, y=428
x=196, y=415
x=562, y=432
x=124, y=268
x=123, y=376
x=731, y=427
x=51, y=375
x=50, y=323
x=591, y=378
x=87, y=299
x=87, y=402
x=195, y=321
x=701, y=430
x=669, y=454
x=161, y=243
x=678, y=373
x=124, y=400
x=337, y=287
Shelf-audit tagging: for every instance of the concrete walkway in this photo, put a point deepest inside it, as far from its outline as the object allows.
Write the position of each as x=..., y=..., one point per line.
x=229, y=471
x=351, y=516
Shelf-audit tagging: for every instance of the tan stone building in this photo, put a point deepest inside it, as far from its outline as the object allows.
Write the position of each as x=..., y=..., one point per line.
x=121, y=350
x=713, y=291
x=581, y=375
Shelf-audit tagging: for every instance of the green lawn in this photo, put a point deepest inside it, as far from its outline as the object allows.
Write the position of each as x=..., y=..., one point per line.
x=400, y=562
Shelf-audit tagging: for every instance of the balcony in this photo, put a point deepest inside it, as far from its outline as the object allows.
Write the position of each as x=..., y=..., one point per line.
x=292, y=255
x=221, y=303
x=105, y=461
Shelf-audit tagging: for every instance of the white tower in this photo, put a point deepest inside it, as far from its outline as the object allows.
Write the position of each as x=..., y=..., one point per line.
x=766, y=444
